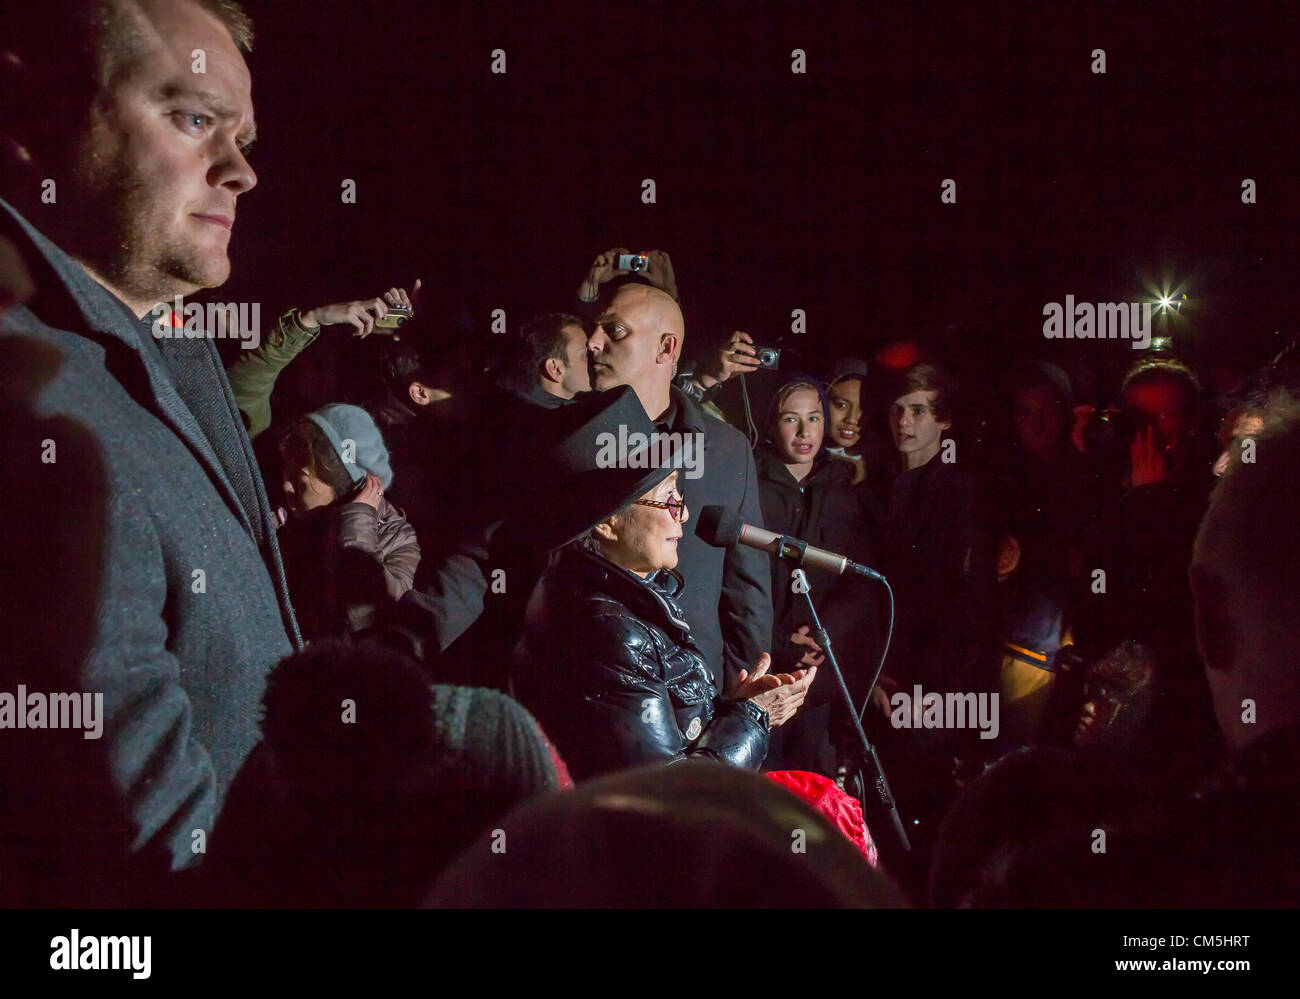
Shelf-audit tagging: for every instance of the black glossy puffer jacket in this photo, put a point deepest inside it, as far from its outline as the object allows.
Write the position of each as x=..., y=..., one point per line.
x=608, y=667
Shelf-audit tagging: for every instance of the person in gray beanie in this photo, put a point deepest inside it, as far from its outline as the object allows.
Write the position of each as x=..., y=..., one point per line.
x=349, y=553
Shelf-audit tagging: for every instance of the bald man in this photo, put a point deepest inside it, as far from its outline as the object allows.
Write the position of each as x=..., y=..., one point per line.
x=637, y=341
x=1245, y=579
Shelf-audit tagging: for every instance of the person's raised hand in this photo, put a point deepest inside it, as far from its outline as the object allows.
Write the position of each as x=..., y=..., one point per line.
x=361, y=314
x=372, y=492
x=398, y=298
x=659, y=272
x=782, y=702
x=880, y=694
x=737, y=356
x=814, y=656
x=749, y=683
x=1149, y=465
x=603, y=270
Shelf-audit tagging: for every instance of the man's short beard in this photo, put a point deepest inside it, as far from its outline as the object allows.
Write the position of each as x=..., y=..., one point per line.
x=147, y=261
x=120, y=235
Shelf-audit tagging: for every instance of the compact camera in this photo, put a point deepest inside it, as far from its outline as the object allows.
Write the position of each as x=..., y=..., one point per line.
x=397, y=314
x=769, y=358
x=634, y=262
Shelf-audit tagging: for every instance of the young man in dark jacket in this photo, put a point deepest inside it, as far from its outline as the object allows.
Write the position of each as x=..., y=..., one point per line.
x=939, y=562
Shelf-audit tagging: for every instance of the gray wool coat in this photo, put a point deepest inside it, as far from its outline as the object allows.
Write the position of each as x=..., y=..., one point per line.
x=192, y=609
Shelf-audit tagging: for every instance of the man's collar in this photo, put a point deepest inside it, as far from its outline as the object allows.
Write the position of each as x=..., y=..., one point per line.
x=683, y=414
x=538, y=396
x=66, y=296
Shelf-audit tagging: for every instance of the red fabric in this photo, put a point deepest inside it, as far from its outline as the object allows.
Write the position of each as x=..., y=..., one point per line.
x=561, y=768
x=843, y=810
x=899, y=356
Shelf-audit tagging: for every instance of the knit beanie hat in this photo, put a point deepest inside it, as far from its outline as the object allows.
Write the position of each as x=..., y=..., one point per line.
x=488, y=743
x=847, y=367
x=356, y=440
x=454, y=738
x=370, y=779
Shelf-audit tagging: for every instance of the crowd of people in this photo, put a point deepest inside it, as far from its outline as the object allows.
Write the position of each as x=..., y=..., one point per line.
x=339, y=669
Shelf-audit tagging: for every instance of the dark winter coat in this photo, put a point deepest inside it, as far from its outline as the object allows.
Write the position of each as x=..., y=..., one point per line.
x=609, y=667
x=192, y=608
x=348, y=564
x=939, y=560
x=827, y=511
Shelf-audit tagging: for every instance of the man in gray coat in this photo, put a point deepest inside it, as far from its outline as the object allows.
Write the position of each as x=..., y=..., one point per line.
x=129, y=202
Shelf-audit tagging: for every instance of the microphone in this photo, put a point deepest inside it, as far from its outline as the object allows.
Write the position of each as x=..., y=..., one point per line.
x=722, y=528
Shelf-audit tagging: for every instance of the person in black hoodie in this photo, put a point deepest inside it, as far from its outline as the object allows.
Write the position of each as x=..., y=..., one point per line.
x=941, y=567
x=804, y=493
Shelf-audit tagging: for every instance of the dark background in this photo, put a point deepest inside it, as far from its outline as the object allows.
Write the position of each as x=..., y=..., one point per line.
x=775, y=190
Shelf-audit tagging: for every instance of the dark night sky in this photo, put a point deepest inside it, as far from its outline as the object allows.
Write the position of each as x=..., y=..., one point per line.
x=779, y=191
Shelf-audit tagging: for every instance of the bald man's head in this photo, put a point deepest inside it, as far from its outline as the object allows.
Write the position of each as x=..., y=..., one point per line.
x=1245, y=579
x=638, y=341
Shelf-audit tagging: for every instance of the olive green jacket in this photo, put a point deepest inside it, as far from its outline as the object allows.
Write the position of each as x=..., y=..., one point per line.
x=252, y=376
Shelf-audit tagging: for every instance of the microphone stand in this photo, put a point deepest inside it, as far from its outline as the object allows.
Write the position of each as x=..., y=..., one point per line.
x=869, y=760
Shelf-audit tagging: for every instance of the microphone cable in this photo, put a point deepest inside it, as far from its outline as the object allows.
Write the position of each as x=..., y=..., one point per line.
x=889, y=637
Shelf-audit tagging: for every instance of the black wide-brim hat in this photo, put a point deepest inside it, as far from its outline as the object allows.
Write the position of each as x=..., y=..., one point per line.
x=595, y=463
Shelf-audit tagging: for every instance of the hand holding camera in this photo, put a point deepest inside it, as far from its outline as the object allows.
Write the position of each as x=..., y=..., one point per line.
x=737, y=356
x=387, y=312
x=653, y=265
x=603, y=270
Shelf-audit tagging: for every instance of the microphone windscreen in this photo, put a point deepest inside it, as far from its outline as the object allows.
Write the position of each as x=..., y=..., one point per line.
x=719, y=526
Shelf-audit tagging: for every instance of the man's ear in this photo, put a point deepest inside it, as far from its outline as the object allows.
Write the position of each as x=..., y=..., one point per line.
x=553, y=369
x=424, y=395
x=605, y=530
x=419, y=394
x=668, y=344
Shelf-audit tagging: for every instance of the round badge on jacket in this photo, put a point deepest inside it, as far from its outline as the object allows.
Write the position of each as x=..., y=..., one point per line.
x=693, y=729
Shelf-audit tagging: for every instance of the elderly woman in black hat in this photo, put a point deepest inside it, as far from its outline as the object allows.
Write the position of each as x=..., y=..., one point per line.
x=606, y=662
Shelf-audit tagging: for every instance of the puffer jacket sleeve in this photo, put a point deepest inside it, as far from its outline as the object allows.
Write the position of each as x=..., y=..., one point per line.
x=626, y=715
x=386, y=536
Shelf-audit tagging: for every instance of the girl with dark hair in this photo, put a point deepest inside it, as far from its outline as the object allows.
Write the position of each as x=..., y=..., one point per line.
x=807, y=494
x=347, y=551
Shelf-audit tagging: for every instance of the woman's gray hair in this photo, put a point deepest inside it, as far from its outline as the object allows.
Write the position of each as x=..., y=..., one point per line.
x=588, y=540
